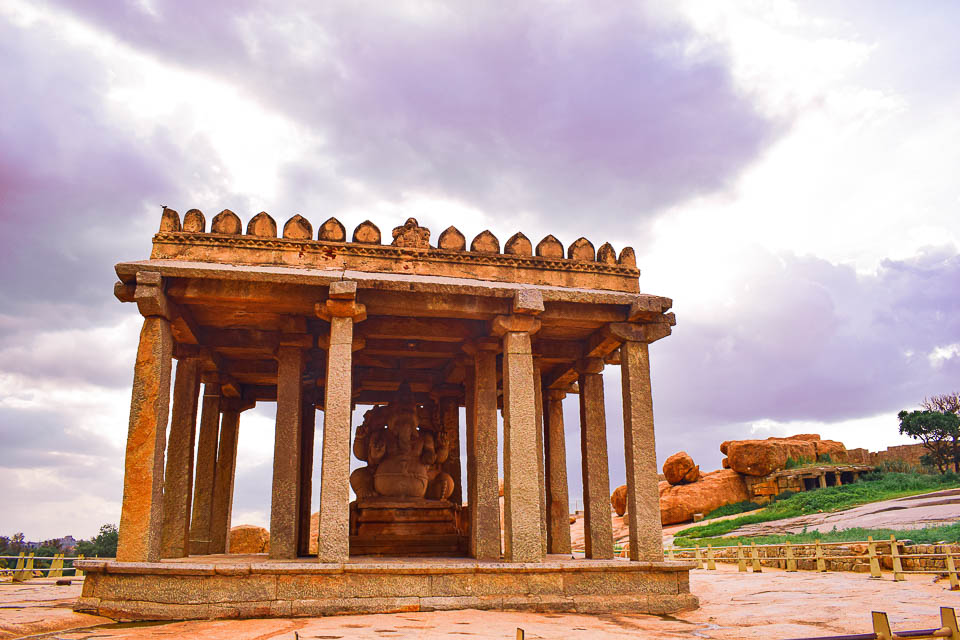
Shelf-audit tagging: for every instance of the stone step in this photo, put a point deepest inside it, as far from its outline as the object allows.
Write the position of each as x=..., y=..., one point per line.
x=419, y=545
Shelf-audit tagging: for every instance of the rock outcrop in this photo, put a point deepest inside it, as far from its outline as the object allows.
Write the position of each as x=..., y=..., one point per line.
x=763, y=457
x=680, y=469
x=247, y=538
x=678, y=503
x=619, y=500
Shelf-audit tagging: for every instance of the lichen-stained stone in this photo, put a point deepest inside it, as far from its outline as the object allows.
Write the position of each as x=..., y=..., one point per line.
x=141, y=513
x=522, y=540
x=598, y=529
x=485, y=242
x=606, y=254
x=555, y=472
x=366, y=233
x=205, y=469
x=223, y=485
x=550, y=247
x=194, y=222
x=298, y=228
x=333, y=231
x=518, y=245
x=262, y=225
x=178, y=478
x=411, y=235
x=643, y=501
x=285, y=502
x=169, y=220
x=333, y=543
x=581, y=250
x=226, y=222
x=452, y=240
x=627, y=257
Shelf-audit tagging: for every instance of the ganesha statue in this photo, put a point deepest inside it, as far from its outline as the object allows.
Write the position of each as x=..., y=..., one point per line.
x=403, y=455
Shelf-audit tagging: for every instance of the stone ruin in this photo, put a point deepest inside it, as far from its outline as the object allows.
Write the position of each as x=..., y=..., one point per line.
x=414, y=332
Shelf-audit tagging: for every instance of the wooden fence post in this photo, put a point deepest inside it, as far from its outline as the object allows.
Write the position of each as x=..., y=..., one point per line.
x=821, y=564
x=28, y=570
x=710, y=563
x=18, y=572
x=672, y=557
x=77, y=572
x=948, y=620
x=897, y=565
x=741, y=561
x=874, y=562
x=881, y=626
x=754, y=559
x=952, y=570
x=791, y=561
x=699, y=557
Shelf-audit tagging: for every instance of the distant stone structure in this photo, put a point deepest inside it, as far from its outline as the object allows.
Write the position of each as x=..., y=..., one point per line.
x=908, y=453
x=325, y=321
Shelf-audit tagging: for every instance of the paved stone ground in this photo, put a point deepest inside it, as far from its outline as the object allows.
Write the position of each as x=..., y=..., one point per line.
x=770, y=605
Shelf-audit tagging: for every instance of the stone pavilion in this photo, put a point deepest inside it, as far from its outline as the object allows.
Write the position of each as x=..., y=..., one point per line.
x=410, y=331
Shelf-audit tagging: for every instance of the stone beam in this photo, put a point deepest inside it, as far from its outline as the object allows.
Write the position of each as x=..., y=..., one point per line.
x=433, y=329
x=412, y=348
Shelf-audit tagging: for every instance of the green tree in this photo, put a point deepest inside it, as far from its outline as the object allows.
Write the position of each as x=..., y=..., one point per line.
x=104, y=545
x=937, y=431
x=947, y=403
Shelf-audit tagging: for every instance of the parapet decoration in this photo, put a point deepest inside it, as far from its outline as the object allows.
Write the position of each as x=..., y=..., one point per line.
x=227, y=243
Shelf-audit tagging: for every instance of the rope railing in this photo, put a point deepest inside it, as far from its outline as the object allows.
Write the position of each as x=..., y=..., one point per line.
x=786, y=555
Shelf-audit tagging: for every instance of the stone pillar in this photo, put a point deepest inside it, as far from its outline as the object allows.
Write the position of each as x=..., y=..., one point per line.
x=225, y=476
x=823, y=480
x=141, y=512
x=469, y=385
x=521, y=470
x=555, y=469
x=450, y=423
x=206, y=469
x=341, y=310
x=178, y=477
x=485, y=515
x=598, y=531
x=285, y=504
x=308, y=425
x=541, y=478
x=643, y=497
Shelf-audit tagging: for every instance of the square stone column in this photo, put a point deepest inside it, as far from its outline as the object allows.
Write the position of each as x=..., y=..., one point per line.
x=541, y=470
x=555, y=469
x=285, y=503
x=485, y=512
x=598, y=530
x=308, y=427
x=141, y=512
x=226, y=474
x=639, y=447
x=521, y=469
x=341, y=310
x=469, y=385
x=205, y=469
x=178, y=477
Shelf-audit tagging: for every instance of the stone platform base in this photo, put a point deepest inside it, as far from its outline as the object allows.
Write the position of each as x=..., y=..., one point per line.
x=251, y=587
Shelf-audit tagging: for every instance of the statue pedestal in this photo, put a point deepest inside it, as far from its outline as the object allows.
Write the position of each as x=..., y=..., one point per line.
x=405, y=527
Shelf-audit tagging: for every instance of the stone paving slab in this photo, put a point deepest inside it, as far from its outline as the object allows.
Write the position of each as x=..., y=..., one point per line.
x=770, y=605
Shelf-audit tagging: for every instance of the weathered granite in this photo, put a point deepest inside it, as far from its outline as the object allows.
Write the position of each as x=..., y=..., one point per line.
x=178, y=476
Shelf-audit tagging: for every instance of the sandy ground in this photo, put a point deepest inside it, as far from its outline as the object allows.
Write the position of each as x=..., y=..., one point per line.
x=913, y=512
x=773, y=604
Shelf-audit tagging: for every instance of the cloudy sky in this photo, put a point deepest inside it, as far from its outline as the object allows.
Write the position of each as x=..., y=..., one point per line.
x=787, y=172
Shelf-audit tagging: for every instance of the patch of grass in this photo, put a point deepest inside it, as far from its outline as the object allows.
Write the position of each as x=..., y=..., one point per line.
x=802, y=461
x=872, y=488
x=930, y=535
x=732, y=509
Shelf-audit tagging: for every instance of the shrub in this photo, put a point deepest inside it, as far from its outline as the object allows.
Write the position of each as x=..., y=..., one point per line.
x=824, y=457
x=802, y=461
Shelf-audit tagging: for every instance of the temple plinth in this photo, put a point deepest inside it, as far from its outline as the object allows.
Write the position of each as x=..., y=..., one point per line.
x=431, y=340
